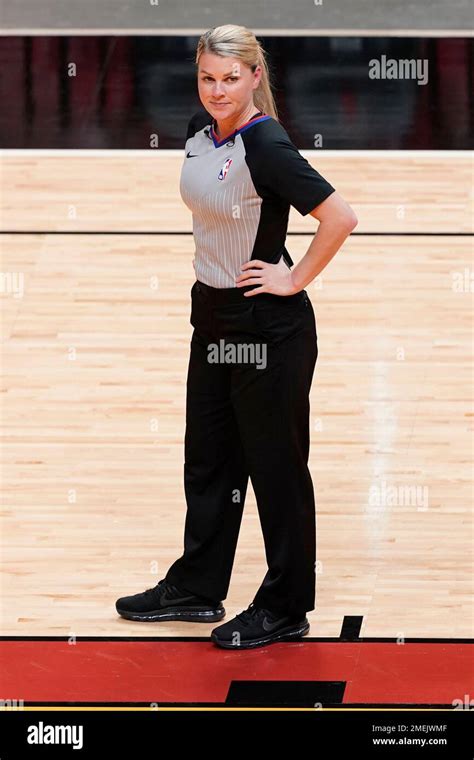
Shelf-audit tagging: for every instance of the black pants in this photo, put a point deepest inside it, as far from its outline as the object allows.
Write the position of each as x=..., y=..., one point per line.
x=247, y=414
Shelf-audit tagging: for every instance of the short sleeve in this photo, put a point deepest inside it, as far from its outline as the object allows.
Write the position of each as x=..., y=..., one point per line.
x=191, y=127
x=197, y=121
x=287, y=174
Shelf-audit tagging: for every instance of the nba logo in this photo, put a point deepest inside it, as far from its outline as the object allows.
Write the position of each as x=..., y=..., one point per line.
x=225, y=169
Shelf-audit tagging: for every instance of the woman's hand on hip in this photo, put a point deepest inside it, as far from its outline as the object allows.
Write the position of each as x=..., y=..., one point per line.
x=272, y=278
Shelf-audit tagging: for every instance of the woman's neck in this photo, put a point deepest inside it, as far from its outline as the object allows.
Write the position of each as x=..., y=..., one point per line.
x=227, y=127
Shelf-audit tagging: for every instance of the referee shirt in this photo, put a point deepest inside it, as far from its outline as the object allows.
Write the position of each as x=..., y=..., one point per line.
x=239, y=190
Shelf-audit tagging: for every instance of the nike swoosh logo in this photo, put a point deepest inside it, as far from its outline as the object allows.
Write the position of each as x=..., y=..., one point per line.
x=191, y=155
x=270, y=626
x=167, y=602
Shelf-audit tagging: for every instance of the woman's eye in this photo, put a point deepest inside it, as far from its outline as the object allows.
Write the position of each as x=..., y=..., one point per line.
x=234, y=79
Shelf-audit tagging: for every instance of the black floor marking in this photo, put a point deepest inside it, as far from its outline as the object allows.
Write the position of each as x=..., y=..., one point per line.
x=189, y=232
x=351, y=626
x=284, y=693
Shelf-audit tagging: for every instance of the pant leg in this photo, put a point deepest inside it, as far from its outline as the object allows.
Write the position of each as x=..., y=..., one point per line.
x=272, y=410
x=215, y=473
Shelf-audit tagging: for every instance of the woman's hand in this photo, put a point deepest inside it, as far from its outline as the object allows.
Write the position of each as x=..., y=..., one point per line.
x=273, y=278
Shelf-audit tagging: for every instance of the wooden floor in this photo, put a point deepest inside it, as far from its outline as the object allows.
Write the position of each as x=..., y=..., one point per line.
x=96, y=335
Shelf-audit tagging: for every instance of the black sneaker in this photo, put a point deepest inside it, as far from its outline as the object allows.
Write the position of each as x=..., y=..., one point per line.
x=167, y=602
x=255, y=627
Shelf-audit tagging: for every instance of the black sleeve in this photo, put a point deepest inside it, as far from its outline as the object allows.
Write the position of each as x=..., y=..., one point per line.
x=286, y=173
x=197, y=121
x=191, y=127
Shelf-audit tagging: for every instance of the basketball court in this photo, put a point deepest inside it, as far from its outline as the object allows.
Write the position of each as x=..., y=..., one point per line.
x=97, y=253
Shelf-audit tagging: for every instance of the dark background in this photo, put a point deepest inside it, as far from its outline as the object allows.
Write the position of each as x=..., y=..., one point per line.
x=130, y=87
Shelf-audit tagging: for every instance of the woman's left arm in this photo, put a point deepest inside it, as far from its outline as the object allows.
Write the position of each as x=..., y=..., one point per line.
x=336, y=222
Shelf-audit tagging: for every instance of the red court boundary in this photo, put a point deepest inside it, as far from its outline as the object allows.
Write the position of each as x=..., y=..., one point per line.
x=193, y=671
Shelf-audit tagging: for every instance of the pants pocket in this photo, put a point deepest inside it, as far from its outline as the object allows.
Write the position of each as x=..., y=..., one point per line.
x=277, y=318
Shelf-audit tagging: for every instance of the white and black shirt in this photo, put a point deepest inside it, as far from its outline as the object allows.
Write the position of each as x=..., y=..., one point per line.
x=239, y=190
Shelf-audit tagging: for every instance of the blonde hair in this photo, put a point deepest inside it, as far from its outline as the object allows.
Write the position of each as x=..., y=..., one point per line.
x=231, y=40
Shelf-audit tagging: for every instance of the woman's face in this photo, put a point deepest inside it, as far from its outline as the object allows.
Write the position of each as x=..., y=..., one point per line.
x=226, y=85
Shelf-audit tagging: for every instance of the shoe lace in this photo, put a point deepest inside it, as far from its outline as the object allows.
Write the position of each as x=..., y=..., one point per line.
x=251, y=612
x=158, y=587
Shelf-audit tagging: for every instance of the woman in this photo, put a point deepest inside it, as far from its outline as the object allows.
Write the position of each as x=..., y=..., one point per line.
x=253, y=352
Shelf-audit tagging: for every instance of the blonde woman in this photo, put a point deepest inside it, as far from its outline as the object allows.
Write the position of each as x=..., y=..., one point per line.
x=253, y=352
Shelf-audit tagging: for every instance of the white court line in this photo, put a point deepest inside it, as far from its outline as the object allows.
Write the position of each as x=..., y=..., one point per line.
x=277, y=32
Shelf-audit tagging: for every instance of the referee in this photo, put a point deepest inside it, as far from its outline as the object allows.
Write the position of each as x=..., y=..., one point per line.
x=253, y=352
